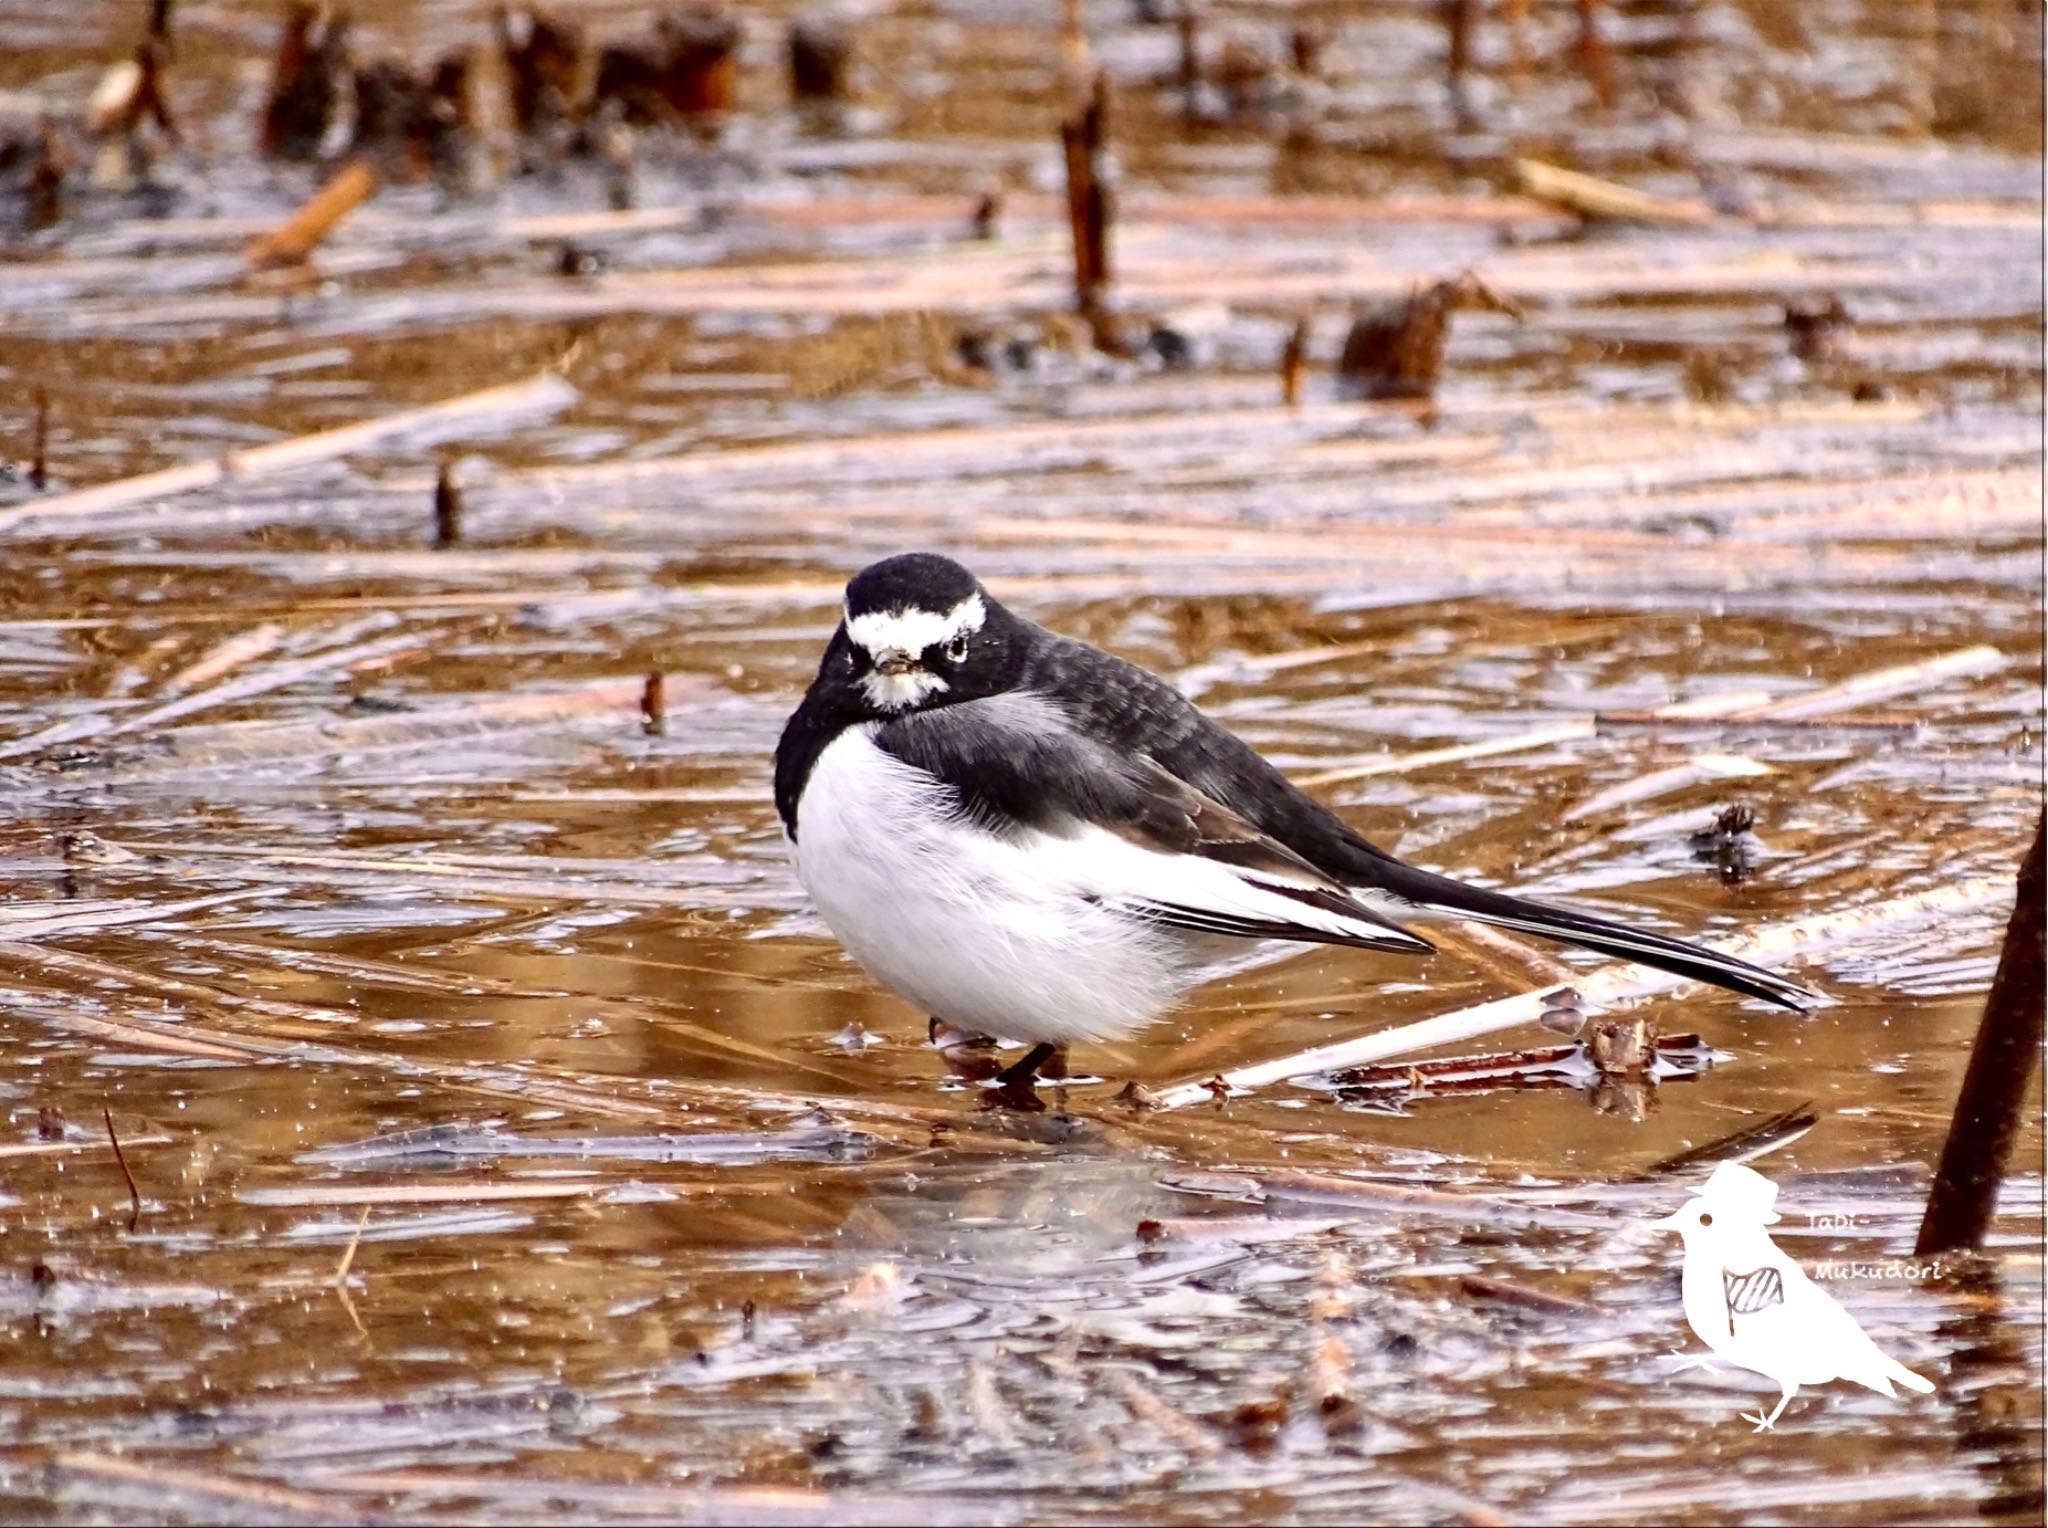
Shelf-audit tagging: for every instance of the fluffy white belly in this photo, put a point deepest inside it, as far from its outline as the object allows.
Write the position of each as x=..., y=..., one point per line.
x=974, y=928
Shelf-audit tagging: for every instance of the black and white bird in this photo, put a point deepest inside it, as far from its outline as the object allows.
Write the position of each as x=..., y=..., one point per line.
x=1032, y=839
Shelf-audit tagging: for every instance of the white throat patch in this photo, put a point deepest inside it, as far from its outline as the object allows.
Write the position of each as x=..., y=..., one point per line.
x=899, y=692
x=911, y=631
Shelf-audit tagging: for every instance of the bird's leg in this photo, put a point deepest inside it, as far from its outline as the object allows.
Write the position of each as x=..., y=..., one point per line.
x=1020, y=1074
x=1763, y=1422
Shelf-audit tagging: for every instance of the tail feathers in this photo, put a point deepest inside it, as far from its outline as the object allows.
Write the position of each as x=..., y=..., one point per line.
x=1894, y=1370
x=1440, y=894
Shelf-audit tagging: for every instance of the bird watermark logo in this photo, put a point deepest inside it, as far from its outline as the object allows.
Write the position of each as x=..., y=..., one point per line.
x=1756, y=1309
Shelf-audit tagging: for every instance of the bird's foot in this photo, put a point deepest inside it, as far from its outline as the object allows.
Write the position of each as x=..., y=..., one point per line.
x=1693, y=1361
x=1012, y=1097
x=1023, y=1072
x=1763, y=1423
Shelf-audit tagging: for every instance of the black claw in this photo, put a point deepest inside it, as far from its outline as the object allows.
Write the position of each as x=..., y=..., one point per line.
x=1019, y=1075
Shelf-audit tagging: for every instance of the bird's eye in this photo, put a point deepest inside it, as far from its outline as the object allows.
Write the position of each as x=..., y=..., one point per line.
x=956, y=650
x=1705, y=1218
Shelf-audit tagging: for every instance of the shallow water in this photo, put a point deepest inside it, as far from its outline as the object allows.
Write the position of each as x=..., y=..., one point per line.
x=699, y=1225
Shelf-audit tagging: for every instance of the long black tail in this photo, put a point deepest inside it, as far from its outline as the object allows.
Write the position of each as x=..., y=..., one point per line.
x=1438, y=893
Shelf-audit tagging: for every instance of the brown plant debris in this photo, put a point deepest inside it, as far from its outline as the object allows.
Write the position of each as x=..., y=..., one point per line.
x=683, y=72
x=307, y=81
x=298, y=235
x=1083, y=137
x=1396, y=349
x=447, y=507
x=415, y=123
x=820, y=58
x=546, y=63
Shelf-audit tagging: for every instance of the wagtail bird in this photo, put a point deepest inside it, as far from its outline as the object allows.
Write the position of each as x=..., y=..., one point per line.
x=1756, y=1308
x=1032, y=839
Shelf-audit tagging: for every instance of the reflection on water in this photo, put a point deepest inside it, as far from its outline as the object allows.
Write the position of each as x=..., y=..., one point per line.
x=510, y=1139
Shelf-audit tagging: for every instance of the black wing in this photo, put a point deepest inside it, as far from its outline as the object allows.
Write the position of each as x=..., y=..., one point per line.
x=1138, y=711
x=1014, y=763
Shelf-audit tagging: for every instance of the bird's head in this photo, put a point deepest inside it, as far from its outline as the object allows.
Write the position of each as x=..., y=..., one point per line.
x=918, y=632
x=1734, y=1197
x=1694, y=1218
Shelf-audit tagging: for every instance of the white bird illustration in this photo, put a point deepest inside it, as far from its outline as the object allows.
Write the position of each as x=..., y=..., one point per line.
x=1756, y=1308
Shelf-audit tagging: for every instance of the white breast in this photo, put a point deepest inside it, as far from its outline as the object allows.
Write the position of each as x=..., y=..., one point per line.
x=987, y=932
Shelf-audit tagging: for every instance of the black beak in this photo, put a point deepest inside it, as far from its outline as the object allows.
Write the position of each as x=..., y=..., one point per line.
x=895, y=663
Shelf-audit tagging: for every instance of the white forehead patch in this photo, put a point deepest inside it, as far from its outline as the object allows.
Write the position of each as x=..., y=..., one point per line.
x=912, y=631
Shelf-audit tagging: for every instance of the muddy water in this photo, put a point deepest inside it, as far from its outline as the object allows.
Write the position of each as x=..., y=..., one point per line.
x=510, y=1139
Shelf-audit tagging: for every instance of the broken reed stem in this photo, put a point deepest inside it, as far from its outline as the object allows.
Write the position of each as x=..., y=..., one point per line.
x=1458, y=18
x=297, y=236
x=120, y=1156
x=1592, y=197
x=1294, y=363
x=1082, y=135
x=1738, y=707
x=1990, y=1107
x=547, y=392
x=245, y=743
x=447, y=509
x=1611, y=984
x=39, y=448
x=1596, y=60
x=163, y=1484
x=654, y=704
x=348, y=1253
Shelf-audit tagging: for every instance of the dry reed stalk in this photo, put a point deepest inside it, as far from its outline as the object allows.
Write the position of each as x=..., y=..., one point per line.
x=1719, y=1494
x=1245, y=1230
x=1326, y=1188
x=546, y=393
x=223, y=659
x=151, y=1039
x=1991, y=1107
x=1501, y=1292
x=39, y=447
x=94, y=920
x=437, y=1191
x=1592, y=197
x=127, y=1175
x=447, y=509
x=1595, y=58
x=1880, y=684
x=1147, y=1405
x=1659, y=782
x=298, y=235
x=1083, y=138
x=1294, y=363
x=10, y=1149
x=1386, y=764
x=1010, y=279
x=988, y=1408
x=276, y=676
x=1599, y=989
x=167, y=1483
x=455, y=881
x=1885, y=683
x=1458, y=16
x=778, y=1504
x=1501, y=954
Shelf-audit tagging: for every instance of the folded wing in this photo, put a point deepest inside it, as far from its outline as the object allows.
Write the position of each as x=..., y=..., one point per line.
x=1126, y=832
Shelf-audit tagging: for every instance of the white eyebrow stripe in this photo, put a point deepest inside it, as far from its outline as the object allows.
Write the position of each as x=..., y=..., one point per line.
x=912, y=631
